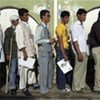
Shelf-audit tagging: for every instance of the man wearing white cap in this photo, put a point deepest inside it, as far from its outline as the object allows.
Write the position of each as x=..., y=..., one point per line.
x=10, y=47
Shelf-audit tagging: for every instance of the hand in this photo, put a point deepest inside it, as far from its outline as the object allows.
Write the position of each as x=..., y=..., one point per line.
x=25, y=56
x=68, y=37
x=80, y=57
x=8, y=57
x=65, y=58
x=52, y=40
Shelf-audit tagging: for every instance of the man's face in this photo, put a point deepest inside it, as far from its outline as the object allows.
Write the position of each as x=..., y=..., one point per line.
x=82, y=17
x=65, y=19
x=25, y=17
x=46, y=18
x=15, y=22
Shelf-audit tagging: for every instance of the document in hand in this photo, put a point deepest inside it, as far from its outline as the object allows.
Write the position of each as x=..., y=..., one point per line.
x=29, y=63
x=64, y=66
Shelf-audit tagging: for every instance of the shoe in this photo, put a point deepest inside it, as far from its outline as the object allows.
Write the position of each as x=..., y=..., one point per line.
x=13, y=92
x=80, y=91
x=26, y=92
x=35, y=86
x=63, y=91
x=97, y=92
x=85, y=90
x=67, y=88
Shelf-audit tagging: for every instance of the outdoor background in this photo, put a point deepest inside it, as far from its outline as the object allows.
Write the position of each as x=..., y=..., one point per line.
x=55, y=7
x=9, y=7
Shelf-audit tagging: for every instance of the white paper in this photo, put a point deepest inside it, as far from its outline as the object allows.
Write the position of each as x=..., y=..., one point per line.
x=29, y=63
x=64, y=66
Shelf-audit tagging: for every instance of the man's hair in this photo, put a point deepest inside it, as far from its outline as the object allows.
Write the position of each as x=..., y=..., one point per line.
x=43, y=12
x=22, y=11
x=81, y=11
x=64, y=13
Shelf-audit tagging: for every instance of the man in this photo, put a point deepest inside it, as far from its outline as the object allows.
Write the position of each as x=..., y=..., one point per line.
x=2, y=58
x=62, y=50
x=80, y=47
x=46, y=61
x=94, y=40
x=10, y=46
x=26, y=48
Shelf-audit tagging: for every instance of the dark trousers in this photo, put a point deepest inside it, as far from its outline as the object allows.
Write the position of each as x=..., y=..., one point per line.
x=62, y=79
x=2, y=74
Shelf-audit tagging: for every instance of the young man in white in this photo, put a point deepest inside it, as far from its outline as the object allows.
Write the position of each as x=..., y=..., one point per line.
x=80, y=47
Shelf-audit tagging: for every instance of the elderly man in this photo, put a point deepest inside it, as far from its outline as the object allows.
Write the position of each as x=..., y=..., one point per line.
x=10, y=46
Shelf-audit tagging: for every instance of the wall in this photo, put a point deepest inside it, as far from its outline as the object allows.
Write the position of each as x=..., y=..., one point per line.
x=34, y=7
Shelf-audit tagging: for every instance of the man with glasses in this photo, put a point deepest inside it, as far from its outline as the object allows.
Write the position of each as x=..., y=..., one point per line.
x=46, y=61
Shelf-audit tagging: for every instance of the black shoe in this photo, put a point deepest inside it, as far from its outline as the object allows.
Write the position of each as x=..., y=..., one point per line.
x=26, y=93
x=80, y=91
x=35, y=86
x=97, y=92
x=13, y=92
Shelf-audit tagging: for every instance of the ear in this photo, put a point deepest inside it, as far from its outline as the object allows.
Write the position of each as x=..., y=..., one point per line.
x=78, y=16
x=61, y=19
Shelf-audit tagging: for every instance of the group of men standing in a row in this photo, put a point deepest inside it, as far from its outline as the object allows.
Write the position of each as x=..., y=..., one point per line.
x=19, y=37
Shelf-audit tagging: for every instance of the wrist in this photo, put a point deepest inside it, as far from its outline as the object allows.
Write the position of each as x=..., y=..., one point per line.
x=78, y=53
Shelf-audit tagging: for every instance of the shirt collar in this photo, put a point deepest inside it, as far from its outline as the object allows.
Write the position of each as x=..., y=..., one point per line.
x=13, y=26
x=80, y=23
x=26, y=23
x=46, y=26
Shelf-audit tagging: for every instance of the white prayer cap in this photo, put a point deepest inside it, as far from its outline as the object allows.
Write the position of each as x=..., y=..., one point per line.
x=14, y=17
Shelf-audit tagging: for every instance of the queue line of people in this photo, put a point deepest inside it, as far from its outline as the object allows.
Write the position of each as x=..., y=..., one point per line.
x=23, y=42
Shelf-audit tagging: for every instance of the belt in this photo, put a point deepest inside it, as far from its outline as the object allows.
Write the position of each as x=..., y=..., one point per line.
x=39, y=45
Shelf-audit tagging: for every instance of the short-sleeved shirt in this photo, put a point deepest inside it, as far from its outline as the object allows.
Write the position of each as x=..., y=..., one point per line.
x=79, y=35
x=61, y=30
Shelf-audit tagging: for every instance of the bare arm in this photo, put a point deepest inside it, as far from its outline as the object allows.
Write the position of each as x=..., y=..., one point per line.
x=60, y=41
x=24, y=53
x=79, y=54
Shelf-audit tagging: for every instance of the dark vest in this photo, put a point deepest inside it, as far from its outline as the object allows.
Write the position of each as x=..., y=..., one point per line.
x=47, y=47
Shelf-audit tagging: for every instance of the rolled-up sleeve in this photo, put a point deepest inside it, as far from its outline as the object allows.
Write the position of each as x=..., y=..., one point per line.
x=74, y=32
x=39, y=36
x=20, y=37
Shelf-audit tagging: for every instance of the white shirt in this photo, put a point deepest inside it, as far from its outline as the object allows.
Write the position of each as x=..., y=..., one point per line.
x=79, y=35
x=2, y=59
x=24, y=38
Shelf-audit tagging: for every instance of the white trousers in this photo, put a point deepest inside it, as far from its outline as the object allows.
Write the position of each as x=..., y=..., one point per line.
x=27, y=76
